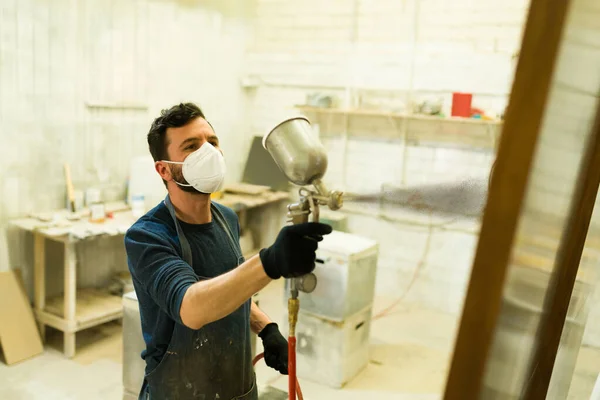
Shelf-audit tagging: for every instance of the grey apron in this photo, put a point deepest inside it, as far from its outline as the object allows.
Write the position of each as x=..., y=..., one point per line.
x=191, y=367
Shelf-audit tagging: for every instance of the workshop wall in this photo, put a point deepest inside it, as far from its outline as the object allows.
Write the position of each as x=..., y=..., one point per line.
x=81, y=81
x=393, y=51
x=388, y=49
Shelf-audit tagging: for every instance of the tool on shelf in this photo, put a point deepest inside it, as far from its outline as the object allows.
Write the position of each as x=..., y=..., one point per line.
x=300, y=155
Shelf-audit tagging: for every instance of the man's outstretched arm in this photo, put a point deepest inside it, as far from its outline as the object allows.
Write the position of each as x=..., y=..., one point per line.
x=171, y=282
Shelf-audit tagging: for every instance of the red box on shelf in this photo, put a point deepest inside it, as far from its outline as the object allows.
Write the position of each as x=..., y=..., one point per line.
x=461, y=104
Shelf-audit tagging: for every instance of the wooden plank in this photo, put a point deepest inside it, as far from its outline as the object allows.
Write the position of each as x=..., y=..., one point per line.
x=70, y=287
x=88, y=321
x=39, y=278
x=52, y=320
x=448, y=132
x=19, y=336
x=243, y=220
x=92, y=305
x=566, y=269
x=392, y=114
x=62, y=230
x=517, y=145
x=106, y=317
x=238, y=202
x=246, y=189
x=421, y=129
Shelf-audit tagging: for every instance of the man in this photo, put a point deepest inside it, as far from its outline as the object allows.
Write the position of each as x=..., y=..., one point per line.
x=193, y=286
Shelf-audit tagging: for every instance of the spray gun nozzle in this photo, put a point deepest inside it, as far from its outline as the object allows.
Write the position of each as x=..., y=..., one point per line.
x=333, y=199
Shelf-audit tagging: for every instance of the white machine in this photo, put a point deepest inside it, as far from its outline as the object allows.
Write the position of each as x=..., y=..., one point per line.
x=133, y=344
x=334, y=323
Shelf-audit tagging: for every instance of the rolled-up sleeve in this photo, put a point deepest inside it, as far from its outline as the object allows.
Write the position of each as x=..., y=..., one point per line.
x=158, y=269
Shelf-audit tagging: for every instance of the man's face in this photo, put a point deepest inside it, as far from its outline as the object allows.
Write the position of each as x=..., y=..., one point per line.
x=180, y=143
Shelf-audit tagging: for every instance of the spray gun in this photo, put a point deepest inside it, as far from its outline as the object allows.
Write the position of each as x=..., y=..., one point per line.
x=302, y=158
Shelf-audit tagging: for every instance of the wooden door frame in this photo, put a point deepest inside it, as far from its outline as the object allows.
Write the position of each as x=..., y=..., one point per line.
x=525, y=113
x=566, y=267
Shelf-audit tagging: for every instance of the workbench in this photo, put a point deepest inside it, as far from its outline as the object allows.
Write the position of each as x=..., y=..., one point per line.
x=79, y=309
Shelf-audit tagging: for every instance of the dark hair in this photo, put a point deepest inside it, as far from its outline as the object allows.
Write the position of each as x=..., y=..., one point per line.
x=175, y=117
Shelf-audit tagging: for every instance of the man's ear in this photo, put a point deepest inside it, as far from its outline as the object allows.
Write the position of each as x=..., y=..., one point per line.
x=163, y=170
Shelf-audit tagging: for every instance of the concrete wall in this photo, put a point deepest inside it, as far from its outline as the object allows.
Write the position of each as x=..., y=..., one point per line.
x=60, y=59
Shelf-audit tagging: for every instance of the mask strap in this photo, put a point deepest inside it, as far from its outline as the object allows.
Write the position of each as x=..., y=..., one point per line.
x=181, y=184
x=176, y=162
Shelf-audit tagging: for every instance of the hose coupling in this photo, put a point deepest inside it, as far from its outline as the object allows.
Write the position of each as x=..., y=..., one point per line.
x=293, y=307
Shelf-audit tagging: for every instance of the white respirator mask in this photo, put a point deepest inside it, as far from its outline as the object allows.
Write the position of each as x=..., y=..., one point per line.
x=204, y=169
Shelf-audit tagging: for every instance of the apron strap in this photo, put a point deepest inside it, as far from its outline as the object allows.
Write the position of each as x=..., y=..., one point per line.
x=185, y=245
x=225, y=225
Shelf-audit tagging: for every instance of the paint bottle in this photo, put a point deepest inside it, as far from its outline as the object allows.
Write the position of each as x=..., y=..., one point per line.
x=461, y=104
x=138, y=205
x=97, y=212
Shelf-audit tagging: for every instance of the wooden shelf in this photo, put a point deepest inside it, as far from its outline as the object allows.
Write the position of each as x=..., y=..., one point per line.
x=391, y=114
x=414, y=128
x=93, y=307
x=239, y=202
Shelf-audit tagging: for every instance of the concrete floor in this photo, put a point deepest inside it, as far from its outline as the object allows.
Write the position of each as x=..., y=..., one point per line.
x=410, y=351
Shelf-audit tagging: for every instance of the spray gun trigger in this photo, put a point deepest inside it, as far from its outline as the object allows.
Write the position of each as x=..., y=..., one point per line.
x=316, y=238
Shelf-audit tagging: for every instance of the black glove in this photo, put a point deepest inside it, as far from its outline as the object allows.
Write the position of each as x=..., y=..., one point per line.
x=276, y=348
x=294, y=251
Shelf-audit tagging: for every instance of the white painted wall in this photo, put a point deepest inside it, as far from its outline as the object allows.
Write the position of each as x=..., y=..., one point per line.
x=392, y=48
x=400, y=50
x=58, y=56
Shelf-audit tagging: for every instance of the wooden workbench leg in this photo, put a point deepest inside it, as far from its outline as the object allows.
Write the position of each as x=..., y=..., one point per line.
x=39, y=278
x=70, y=299
x=243, y=220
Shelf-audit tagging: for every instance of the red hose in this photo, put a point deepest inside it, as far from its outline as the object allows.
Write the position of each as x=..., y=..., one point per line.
x=292, y=367
x=258, y=358
x=262, y=355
